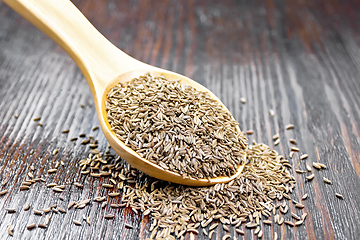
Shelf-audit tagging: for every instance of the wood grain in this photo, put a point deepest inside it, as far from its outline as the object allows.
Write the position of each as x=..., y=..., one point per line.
x=299, y=58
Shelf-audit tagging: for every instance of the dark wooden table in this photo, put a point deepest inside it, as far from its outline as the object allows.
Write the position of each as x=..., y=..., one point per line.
x=299, y=58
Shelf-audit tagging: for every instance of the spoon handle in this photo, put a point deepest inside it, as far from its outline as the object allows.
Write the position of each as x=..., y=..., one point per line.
x=98, y=59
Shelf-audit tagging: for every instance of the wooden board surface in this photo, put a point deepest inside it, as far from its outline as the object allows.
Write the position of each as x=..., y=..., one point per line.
x=299, y=58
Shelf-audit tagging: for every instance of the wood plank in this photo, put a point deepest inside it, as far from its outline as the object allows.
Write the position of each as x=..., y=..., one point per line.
x=299, y=58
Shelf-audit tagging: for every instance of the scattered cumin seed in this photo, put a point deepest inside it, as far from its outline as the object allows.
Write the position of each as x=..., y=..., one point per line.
x=295, y=149
x=308, y=168
x=272, y=112
x=289, y=126
x=109, y=216
x=322, y=165
x=71, y=204
x=77, y=222
x=73, y=139
x=95, y=128
x=249, y=132
x=291, y=224
x=10, y=210
x=297, y=223
x=310, y=177
x=40, y=225
x=225, y=237
x=293, y=141
x=61, y=210
x=78, y=184
x=210, y=234
x=239, y=231
x=55, y=151
x=243, y=100
x=88, y=220
x=52, y=170
x=37, y=119
x=304, y=156
x=316, y=165
x=338, y=195
x=267, y=222
x=114, y=194
x=3, y=192
x=10, y=229
x=327, y=180
x=65, y=131
x=277, y=142
x=56, y=189
x=24, y=187
x=27, y=207
x=304, y=196
x=37, y=212
x=105, y=185
x=276, y=136
x=31, y=226
x=299, y=205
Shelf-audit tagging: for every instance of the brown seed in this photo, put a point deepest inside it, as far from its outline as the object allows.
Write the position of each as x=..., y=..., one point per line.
x=243, y=100
x=62, y=210
x=51, y=185
x=37, y=212
x=47, y=219
x=293, y=141
x=56, y=189
x=37, y=119
x=338, y=195
x=53, y=170
x=10, y=229
x=260, y=234
x=10, y=210
x=291, y=224
x=276, y=136
x=304, y=197
x=327, y=180
x=31, y=226
x=322, y=165
x=291, y=154
x=65, y=131
x=3, y=192
x=299, y=205
x=71, y=205
x=277, y=142
x=105, y=185
x=114, y=194
x=55, y=151
x=27, y=207
x=289, y=126
x=295, y=149
x=77, y=222
x=109, y=216
x=213, y=226
x=40, y=225
x=239, y=231
x=73, y=139
x=46, y=210
x=226, y=228
x=95, y=128
x=88, y=220
x=297, y=223
x=267, y=222
x=249, y=132
x=316, y=165
x=128, y=225
x=24, y=187
x=78, y=184
x=310, y=177
x=210, y=234
x=304, y=156
x=225, y=237
x=303, y=216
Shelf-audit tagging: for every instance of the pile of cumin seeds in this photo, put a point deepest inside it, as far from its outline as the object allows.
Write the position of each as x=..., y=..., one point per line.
x=176, y=127
x=259, y=194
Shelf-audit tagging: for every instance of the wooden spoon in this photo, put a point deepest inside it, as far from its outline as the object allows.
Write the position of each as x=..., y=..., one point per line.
x=103, y=66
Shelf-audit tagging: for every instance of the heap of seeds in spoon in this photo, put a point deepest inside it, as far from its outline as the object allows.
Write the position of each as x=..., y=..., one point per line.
x=176, y=127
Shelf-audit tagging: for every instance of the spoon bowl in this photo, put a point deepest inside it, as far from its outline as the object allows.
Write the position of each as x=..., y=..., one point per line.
x=104, y=66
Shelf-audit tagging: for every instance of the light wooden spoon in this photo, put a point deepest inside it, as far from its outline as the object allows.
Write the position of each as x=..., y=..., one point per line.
x=103, y=66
